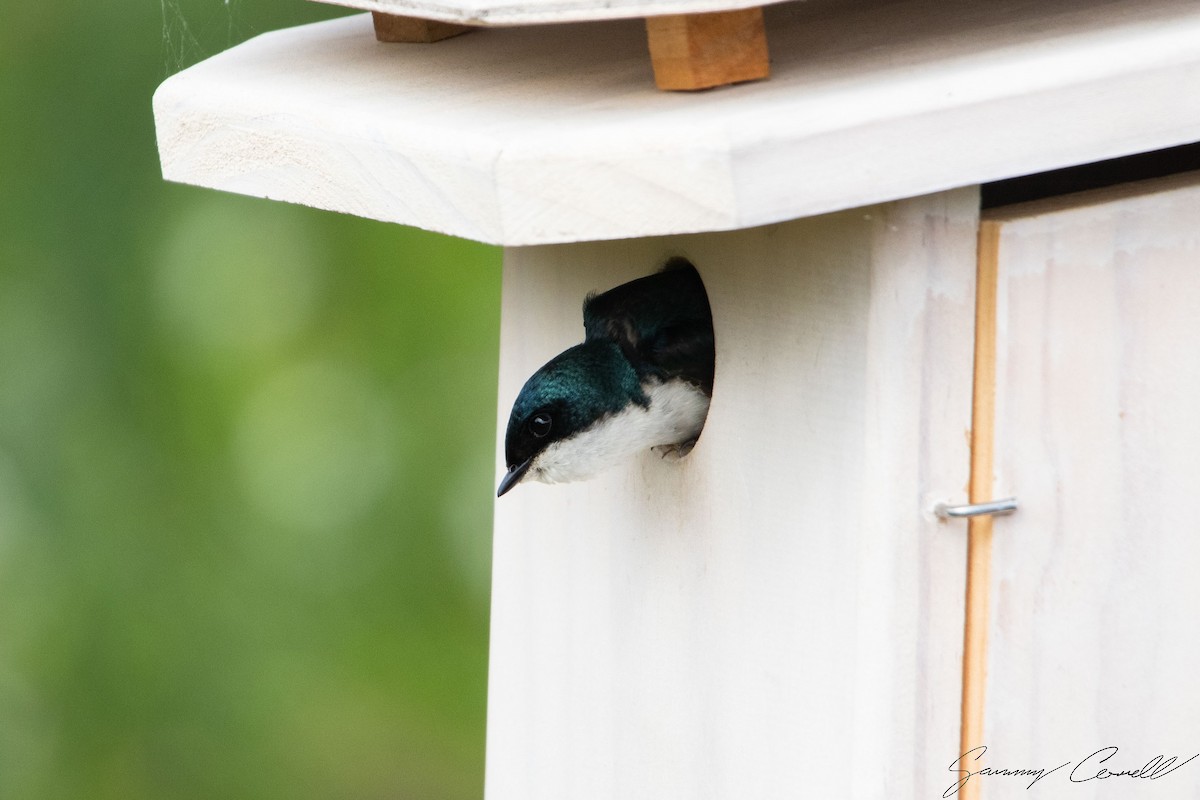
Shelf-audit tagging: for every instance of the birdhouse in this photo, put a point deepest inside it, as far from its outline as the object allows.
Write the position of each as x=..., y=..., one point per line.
x=820, y=600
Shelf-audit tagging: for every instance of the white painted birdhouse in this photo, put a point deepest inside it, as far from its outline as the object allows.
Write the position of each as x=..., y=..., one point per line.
x=781, y=614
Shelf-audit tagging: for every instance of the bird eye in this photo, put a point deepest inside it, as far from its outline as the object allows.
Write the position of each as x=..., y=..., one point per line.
x=539, y=424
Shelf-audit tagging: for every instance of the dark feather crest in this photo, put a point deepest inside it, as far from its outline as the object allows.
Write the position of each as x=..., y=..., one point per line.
x=661, y=322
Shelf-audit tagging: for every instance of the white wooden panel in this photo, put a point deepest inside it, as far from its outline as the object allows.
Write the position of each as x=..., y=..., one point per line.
x=556, y=134
x=777, y=616
x=527, y=12
x=1096, y=580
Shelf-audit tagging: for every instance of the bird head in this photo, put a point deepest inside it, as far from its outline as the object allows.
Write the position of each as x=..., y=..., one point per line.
x=571, y=395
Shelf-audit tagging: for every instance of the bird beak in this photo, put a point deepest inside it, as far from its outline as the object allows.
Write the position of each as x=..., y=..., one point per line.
x=513, y=476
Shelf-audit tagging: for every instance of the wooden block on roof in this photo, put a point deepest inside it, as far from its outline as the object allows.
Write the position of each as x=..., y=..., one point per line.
x=700, y=51
x=396, y=28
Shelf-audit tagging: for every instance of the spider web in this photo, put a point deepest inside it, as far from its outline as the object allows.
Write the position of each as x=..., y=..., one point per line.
x=192, y=30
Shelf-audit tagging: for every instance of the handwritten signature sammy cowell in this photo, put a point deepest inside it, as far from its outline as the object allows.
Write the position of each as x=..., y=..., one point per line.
x=1089, y=769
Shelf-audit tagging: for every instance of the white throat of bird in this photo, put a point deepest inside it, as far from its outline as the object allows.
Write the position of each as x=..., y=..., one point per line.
x=675, y=415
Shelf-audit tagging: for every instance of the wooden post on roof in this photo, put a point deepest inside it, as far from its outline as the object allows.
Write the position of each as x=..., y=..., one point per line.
x=396, y=28
x=700, y=51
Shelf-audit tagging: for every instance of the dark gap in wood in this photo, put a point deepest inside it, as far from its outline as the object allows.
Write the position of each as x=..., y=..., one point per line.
x=1097, y=175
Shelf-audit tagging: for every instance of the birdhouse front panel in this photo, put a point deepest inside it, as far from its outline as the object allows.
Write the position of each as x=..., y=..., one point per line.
x=779, y=612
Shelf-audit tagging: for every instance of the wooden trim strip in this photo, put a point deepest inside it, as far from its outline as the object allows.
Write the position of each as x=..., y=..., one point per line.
x=979, y=530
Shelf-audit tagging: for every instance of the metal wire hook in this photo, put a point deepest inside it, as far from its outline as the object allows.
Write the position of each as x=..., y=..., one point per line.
x=1006, y=506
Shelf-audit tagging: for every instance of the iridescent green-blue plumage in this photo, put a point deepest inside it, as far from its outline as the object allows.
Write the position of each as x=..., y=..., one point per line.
x=576, y=388
x=641, y=378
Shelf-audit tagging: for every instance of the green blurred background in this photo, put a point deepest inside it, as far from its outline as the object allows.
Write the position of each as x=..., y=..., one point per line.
x=246, y=453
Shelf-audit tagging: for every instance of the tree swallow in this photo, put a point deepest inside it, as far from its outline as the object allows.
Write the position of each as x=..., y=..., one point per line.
x=642, y=378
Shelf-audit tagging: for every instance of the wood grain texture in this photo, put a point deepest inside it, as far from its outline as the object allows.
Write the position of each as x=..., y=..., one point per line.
x=537, y=12
x=554, y=134
x=1093, y=639
x=701, y=51
x=979, y=529
x=395, y=28
x=778, y=615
